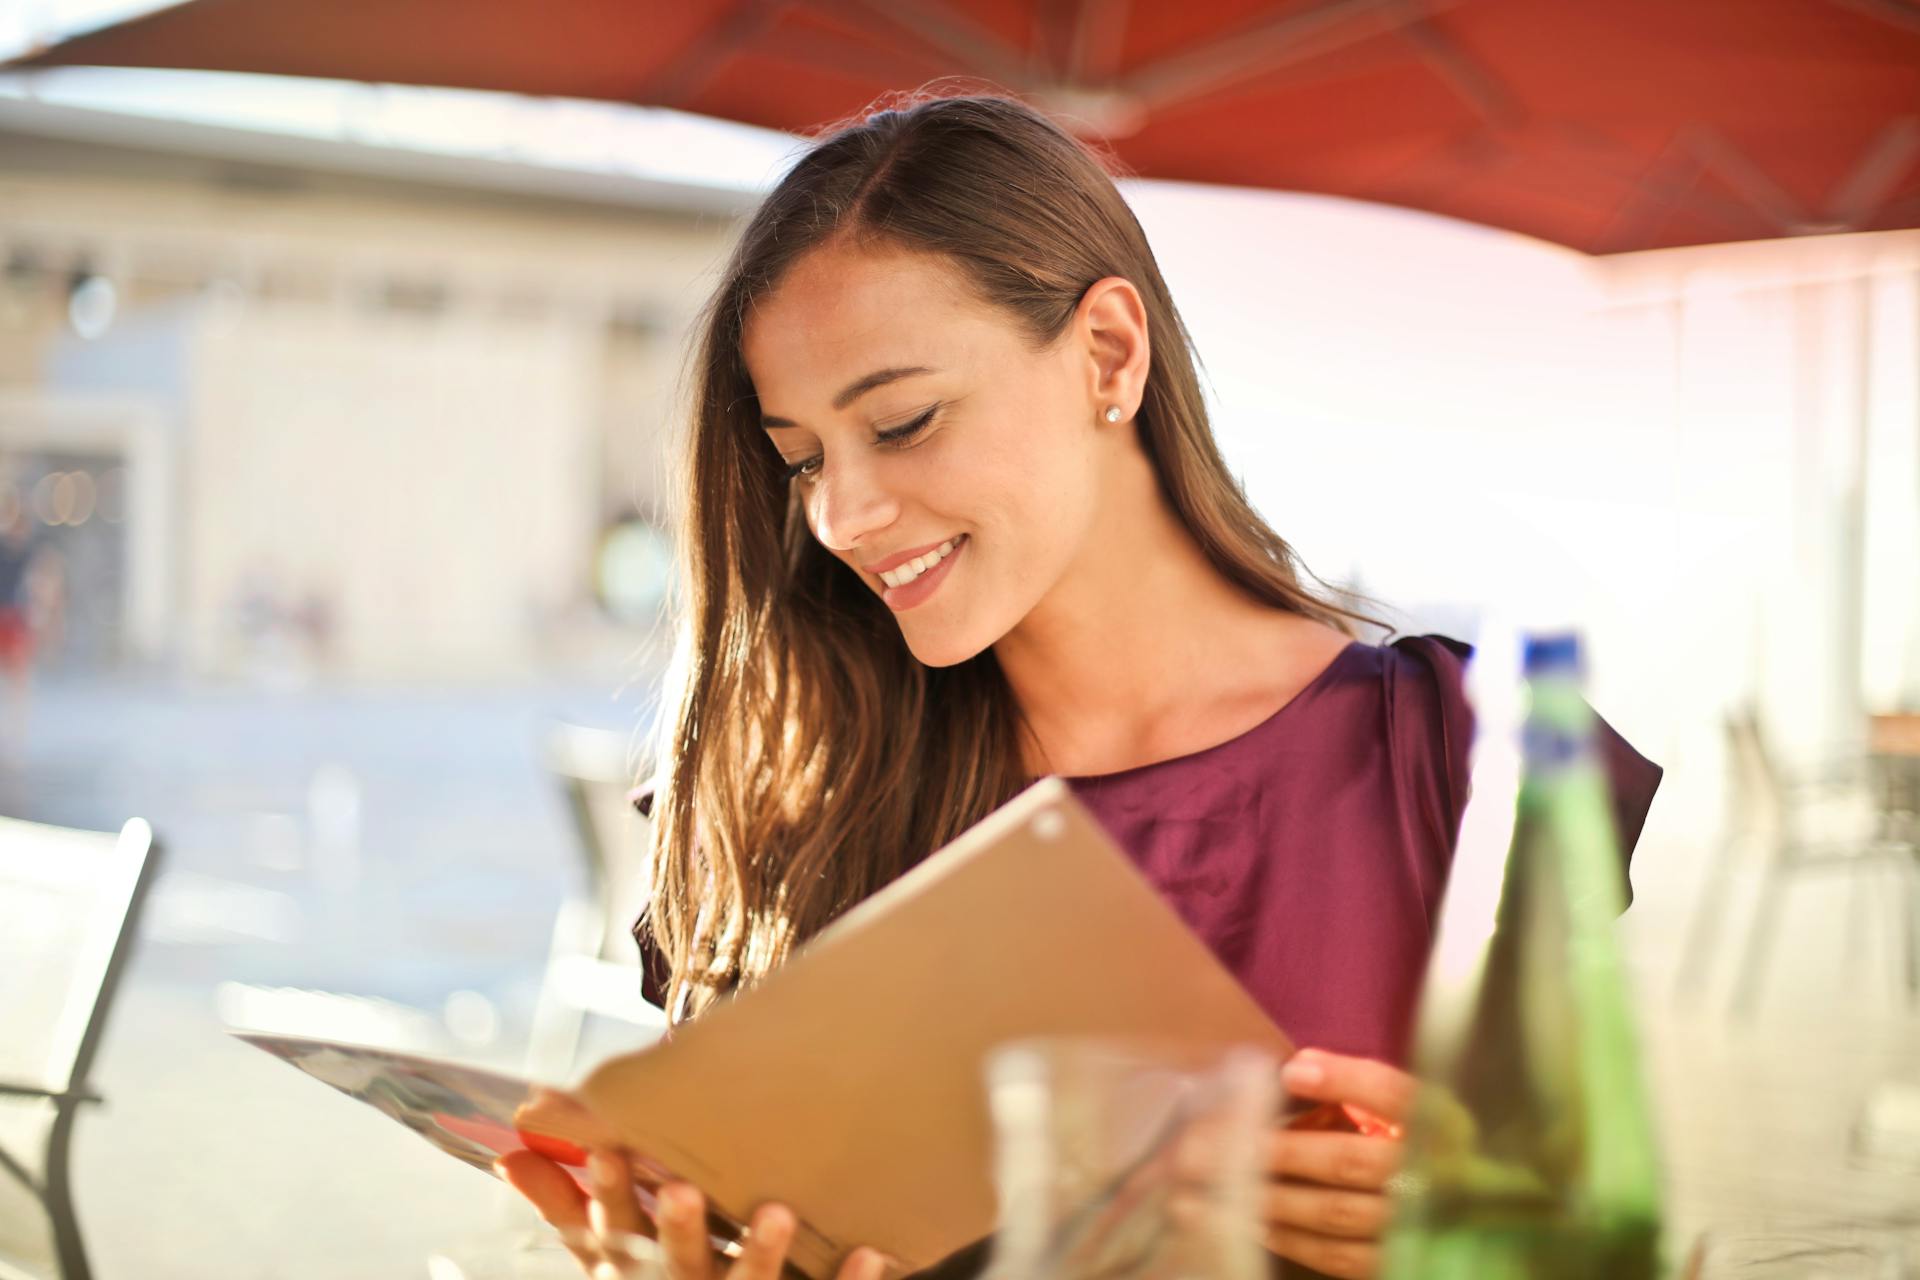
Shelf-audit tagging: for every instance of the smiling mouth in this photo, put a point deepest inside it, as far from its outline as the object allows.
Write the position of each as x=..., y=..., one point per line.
x=901, y=576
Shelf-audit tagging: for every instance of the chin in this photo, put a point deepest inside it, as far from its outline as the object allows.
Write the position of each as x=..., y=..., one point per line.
x=944, y=646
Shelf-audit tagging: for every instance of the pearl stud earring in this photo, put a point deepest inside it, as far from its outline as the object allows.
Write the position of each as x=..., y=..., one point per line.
x=1113, y=413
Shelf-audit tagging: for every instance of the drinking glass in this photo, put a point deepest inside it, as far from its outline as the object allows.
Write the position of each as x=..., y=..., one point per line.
x=1128, y=1160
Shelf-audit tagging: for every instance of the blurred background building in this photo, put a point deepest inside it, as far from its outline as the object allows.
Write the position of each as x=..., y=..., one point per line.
x=325, y=407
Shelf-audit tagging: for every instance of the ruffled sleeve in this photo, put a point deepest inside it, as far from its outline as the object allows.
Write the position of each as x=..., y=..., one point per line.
x=654, y=969
x=1432, y=734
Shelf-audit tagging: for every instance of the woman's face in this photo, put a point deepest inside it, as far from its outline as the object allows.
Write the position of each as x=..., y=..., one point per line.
x=954, y=470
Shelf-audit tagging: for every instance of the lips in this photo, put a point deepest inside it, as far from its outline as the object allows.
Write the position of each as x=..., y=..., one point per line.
x=912, y=570
x=899, y=558
x=903, y=592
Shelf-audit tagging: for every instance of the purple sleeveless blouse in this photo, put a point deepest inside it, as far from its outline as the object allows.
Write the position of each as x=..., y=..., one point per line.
x=1310, y=852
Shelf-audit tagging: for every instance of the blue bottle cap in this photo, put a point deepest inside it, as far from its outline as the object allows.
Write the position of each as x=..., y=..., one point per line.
x=1555, y=651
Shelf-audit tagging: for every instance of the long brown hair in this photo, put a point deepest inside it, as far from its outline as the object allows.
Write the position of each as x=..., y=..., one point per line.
x=805, y=757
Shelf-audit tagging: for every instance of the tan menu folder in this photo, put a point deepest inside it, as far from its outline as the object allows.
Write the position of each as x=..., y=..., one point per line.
x=849, y=1084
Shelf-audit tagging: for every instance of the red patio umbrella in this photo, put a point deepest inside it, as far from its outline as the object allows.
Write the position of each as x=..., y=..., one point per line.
x=1609, y=126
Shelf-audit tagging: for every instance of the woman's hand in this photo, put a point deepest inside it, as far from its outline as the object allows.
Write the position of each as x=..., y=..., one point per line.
x=589, y=1224
x=1325, y=1204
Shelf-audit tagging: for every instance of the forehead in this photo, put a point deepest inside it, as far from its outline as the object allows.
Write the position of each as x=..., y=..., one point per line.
x=838, y=308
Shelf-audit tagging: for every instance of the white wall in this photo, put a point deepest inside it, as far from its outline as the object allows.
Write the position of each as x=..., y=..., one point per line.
x=1664, y=448
x=430, y=478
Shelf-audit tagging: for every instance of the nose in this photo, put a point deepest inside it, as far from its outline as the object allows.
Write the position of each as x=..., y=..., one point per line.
x=849, y=503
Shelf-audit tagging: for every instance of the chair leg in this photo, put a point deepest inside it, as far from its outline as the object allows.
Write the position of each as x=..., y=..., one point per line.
x=1853, y=940
x=59, y=1196
x=1703, y=930
x=1753, y=962
x=553, y=1042
x=1913, y=931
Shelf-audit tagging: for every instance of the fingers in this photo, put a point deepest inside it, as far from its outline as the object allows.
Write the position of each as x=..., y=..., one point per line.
x=1333, y=1159
x=863, y=1264
x=614, y=1207
x=1331, y=1077
x=683, y=1233
x=554, y=1193
x=1326, y=1211
x=556, y=1197
x=1344, y=1259
x=768, y=1235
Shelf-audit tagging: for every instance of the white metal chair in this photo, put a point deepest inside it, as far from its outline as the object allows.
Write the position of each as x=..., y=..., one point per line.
x=593, y=966
x=69, y=910
x=1820, y=821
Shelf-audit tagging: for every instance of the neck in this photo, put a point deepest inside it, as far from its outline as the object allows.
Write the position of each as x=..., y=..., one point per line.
x=1132, y=633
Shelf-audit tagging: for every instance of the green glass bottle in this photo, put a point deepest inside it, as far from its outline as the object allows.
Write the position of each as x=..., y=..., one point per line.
x=1531, y=1149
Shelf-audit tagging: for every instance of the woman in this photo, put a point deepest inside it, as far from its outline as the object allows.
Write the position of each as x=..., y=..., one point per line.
x=955, y=520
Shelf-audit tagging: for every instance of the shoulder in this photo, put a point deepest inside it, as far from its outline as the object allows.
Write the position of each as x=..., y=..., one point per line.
x=1435, y=660
x=1287, y=658
x=1424, y=678
x=1427, y=722
x=1418, y=684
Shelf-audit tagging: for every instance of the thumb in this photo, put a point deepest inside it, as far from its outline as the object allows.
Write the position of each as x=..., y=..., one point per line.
x=1374, y=1086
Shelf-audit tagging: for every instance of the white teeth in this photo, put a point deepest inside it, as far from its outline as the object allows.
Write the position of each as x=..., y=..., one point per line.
x=913, y=568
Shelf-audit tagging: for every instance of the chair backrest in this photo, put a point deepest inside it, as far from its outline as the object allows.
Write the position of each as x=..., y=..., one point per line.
x=592, y=767
x=69, y=908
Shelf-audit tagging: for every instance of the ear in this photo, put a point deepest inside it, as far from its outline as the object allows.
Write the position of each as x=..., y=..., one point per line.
x=1111, y=323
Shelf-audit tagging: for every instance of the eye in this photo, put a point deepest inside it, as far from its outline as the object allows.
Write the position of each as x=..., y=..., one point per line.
x=804, y=467
x=902, y=434
x=897, y=437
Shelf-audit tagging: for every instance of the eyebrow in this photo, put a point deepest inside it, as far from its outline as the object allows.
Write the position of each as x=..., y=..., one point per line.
x=855, y=389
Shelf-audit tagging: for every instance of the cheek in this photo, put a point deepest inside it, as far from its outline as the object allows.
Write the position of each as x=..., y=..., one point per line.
x=1042, y=486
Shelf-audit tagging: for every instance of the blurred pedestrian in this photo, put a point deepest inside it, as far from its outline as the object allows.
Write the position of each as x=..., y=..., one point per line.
x=17, y=547
x=30, y=606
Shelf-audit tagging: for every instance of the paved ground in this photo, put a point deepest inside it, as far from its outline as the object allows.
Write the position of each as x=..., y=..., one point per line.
x=405, y=845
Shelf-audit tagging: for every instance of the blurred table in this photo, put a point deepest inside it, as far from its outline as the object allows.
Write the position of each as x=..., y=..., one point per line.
x=1893, y=747
x=1894, y=734
x=1770, y=1148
